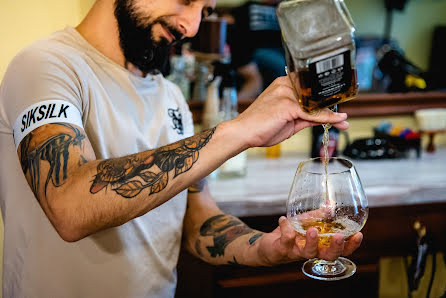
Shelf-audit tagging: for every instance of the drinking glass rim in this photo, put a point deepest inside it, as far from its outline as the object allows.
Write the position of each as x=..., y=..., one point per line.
x=320, y=158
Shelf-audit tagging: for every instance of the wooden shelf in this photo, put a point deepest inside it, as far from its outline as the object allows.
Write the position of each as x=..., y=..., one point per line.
x=368, y=105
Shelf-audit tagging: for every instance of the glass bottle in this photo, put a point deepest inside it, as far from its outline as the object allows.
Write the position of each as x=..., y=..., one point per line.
x=318, y=37
x=236, y=166
x=178, y=75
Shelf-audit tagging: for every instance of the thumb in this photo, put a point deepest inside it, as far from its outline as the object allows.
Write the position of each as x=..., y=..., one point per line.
x=324, y=116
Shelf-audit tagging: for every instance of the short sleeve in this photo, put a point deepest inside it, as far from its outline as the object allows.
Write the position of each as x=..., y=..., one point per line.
x=34, y=76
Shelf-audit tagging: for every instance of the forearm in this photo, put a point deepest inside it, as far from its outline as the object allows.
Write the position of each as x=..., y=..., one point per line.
x=225, y=239
x=106, y=193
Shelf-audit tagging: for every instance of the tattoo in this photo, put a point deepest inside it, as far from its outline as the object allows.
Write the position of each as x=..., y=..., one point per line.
x=197, y=187
x=198, y=247
x=254, y=238
x=55, y=151
x=130, y=175
x=82, y=160
x=234, y=263
x=224, y=229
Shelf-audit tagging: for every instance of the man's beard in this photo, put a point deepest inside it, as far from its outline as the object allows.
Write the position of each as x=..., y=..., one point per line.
x=137, y=42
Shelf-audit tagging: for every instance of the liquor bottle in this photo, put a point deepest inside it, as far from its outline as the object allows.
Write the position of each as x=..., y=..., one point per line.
x=318, y=37
x=236, y=166
x=178, y=75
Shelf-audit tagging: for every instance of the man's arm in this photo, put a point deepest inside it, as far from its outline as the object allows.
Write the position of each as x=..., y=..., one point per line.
x=219, y=238
x=81, y=195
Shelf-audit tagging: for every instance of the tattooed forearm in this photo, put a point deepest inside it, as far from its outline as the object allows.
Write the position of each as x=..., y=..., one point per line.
x=198, y=247
x=130, y=175
x=224, y=229
x=234, y=262
x=254, y=238
x=54, y=151
x=197, y=187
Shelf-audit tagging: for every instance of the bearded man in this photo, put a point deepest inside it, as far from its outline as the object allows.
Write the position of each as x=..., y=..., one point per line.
x=98, y=185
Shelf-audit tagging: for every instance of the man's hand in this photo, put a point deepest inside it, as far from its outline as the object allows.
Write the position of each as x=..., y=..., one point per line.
x=285, y=245
x=276, y=115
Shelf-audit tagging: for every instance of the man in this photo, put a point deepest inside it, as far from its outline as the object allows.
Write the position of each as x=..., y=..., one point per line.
x=256, y=46
x=105, y=144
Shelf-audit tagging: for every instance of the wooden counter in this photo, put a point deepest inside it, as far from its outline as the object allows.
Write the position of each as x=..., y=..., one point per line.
x=399, y=193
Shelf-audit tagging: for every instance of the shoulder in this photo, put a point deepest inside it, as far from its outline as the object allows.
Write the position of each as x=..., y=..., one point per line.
x=52, y=50
x=37, y=73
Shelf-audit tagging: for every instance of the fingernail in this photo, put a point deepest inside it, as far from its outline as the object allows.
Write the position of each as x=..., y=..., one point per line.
x=313, y=234
x=359, y=239
x=281, y=219
x=339, y=241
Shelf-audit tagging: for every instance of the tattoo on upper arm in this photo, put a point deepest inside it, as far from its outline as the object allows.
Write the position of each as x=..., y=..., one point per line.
x=130, y=175
x=54, y=151
x=224, y=229
x=197, y=187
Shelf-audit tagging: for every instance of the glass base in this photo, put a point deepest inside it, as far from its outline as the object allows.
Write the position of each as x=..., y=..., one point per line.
x=326, y=270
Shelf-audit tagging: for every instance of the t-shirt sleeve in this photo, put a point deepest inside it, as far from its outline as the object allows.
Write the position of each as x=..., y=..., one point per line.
x=37, y=76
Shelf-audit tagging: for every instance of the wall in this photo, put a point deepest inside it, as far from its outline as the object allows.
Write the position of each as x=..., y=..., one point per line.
x=412, y=28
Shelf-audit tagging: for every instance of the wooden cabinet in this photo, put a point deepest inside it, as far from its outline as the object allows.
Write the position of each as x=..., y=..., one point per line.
x=388, y=232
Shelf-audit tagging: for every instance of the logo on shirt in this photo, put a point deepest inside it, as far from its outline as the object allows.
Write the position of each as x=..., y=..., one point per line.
x=176, y=120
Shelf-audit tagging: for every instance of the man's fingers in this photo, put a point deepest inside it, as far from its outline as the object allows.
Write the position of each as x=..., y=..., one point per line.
x=324, y=116
x=335, y=250
x=343, y=125
x=310, y=249
x=288, y=233
x=301, y=124
x=352, y=244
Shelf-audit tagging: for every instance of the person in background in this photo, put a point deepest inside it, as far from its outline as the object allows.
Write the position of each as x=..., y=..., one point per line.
x=256, y=46
x=101, y=174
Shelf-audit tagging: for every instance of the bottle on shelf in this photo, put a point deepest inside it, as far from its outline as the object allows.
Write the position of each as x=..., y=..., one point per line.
x=211, y=107
x=178, y=73
x=236, y=166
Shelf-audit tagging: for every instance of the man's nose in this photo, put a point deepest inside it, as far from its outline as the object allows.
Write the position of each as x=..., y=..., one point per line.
x=190, y=22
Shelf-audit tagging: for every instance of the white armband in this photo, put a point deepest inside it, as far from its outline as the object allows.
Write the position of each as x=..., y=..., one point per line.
x=45, y=112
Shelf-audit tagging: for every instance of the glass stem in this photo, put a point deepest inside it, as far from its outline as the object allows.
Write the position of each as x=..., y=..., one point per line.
x=323, y=267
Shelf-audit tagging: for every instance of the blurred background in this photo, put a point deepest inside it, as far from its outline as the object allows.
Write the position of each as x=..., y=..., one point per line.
x=414, y=29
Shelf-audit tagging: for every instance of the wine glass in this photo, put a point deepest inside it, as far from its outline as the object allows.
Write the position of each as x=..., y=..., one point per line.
x=330, y=198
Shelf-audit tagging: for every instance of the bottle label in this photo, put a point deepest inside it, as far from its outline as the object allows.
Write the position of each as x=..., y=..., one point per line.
x=330, y=75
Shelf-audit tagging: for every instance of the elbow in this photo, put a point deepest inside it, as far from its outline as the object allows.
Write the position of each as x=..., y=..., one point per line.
x=68, y=235
x=64, y=220
x=67, y=230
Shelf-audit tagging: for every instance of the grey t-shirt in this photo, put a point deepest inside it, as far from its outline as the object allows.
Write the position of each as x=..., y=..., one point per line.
x=121, y=114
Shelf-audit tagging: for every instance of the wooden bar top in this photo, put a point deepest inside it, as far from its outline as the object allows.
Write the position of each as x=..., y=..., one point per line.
x=264, y=190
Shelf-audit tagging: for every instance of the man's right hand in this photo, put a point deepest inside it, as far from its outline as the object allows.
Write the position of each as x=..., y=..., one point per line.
x=276, y=116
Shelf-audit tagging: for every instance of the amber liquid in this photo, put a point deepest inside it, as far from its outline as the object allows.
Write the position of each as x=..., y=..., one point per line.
x=325, y=226
x=328, y=227
x=306, y=96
